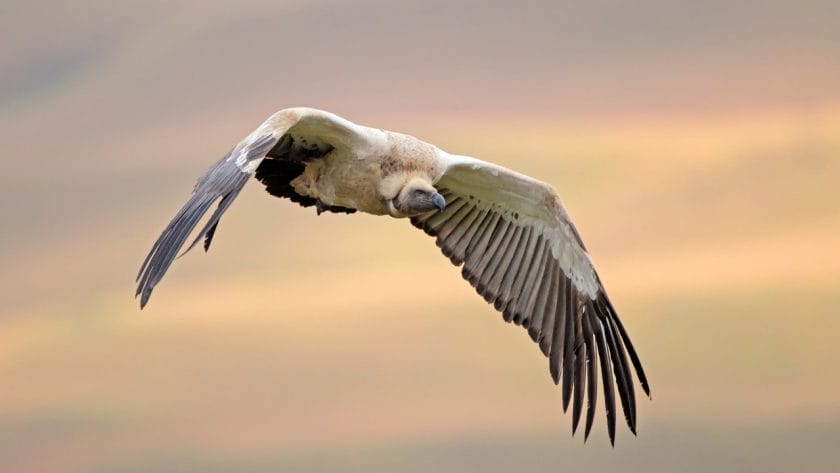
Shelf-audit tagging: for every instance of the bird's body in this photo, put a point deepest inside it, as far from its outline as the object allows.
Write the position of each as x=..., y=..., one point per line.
x=510, y=232
x=366, y=177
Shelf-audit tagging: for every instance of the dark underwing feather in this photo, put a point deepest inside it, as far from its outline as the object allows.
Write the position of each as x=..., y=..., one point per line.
x=548, y=283
x=540, y=266
x=436, y=221
x=545, y=320
x=634, y=358
x=504, y=231
x=286, y=161
x=580, y=365
x=277, y=175
x=511, y=273
x=568, y=346
x=623, y=382
x=209, y=237
x=453, y=223
x=503, y=265
x=606, y=375
x=592, y=373
x=479, y=242
x=517, y=298
x=552, y=343
x=534, y=279
x=459, y=239
x=494, y=265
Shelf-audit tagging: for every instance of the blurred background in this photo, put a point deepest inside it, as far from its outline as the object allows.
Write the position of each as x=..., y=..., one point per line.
x=696, y=144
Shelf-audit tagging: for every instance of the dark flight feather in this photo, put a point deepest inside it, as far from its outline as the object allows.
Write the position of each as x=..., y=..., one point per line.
x=606, y=375
x=631, y=351
x=570, y=315
x=623, y=382
x=592, y=373
x=223, y=181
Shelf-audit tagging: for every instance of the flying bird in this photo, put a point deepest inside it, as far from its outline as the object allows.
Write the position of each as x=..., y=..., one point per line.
x=510, y=233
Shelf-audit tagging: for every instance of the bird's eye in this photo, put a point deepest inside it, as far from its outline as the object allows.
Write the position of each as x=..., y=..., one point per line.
x=419, y=193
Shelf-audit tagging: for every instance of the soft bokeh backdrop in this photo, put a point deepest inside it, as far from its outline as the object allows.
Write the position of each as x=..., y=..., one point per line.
x=697, y=145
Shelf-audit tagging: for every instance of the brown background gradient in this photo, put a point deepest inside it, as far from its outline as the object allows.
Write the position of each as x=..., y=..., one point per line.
x=696, y=144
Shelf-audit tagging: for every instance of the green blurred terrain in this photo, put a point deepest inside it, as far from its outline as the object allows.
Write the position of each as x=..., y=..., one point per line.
x=347, y=343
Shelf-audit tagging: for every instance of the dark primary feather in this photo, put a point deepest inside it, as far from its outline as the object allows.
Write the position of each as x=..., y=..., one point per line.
x=209, y=237
x=592, y=373
x=609, y=391
x=223, y=180
x=511, y=266
x=570, y=315
x=634, y=358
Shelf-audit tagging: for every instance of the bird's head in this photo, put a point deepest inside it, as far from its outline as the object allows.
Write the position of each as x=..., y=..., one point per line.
x=417, y=196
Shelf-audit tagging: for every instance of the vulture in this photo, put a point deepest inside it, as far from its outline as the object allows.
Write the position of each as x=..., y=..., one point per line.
x=510, y=234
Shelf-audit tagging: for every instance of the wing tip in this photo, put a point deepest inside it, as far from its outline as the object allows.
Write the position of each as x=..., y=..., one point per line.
x=144, y=298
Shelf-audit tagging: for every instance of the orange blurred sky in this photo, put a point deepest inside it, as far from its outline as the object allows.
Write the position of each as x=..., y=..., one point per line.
x=696, y=145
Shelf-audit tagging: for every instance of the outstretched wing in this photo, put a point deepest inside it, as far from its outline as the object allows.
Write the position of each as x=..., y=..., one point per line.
x=521, y=252
x=224, y=180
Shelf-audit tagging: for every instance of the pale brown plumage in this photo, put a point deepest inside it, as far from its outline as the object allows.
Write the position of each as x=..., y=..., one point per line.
x=509, y=232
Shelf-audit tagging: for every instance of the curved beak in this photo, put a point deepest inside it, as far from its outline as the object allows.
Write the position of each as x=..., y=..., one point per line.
x=439, y=201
